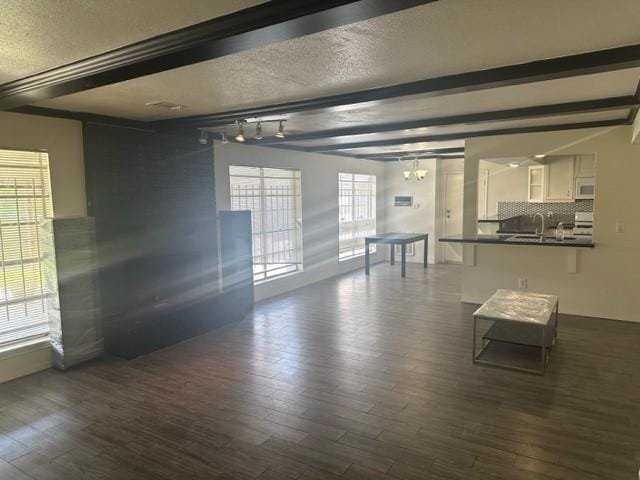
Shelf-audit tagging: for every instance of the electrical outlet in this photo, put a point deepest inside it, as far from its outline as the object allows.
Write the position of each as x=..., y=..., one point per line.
x=522, y=283
x=619, y=227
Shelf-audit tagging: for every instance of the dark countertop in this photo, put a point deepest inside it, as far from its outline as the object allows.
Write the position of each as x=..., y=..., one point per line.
x=497, y=219
x=508, y=240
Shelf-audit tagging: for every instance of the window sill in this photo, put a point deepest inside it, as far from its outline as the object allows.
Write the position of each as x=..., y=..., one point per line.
x=273, y=279
x=21, y=348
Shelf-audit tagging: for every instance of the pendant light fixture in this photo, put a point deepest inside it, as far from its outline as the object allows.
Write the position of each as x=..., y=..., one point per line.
x=258, y=135
x=240, y=135
x=203, y=140
x=419, y=173
x=280, y=132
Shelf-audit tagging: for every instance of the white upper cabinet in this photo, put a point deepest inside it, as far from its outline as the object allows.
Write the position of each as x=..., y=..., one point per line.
x=559, y=178
x=535, y=190
x=585, y=166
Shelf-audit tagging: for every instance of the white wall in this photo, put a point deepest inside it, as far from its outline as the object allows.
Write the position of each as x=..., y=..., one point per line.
x=319, y=180
x=63, y=141
x=606, y=284
x=421, y=217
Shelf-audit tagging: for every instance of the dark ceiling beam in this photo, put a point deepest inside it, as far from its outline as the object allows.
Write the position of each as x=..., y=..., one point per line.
x=400, y=153
x=464, y=135
x=424, y=157
x=82, y=116
x=536, y=71
x=261, y=25
x=584, y=106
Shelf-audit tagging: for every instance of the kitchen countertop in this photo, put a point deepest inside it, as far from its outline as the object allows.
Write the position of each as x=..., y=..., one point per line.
x=509, y=240
x=497, y=219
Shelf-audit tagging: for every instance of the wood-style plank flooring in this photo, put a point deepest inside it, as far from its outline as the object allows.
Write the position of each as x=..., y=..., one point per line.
x=350, y=378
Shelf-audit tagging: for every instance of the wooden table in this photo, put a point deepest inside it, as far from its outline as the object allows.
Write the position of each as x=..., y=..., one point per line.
x=393, y=239
x=521, y=318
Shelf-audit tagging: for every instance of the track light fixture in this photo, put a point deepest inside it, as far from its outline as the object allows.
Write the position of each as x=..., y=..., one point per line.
x=258, y=135
x=280, y=132
x=223, y=139
x=203, y=140
x=240, y=135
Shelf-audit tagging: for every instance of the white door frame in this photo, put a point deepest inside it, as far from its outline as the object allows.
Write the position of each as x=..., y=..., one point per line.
x=443, y=212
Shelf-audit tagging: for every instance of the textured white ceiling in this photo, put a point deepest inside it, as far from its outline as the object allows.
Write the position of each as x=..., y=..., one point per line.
x=39, y=34
x=446, y=37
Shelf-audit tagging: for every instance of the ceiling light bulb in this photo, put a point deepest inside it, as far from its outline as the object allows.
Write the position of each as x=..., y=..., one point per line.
x=258, y=135
x=407, y=174
x=203, y=138
x=539, y=156
x=240, y=135
x=224, y=140
x=421, y=174
x=514, y=164
x=280, y=132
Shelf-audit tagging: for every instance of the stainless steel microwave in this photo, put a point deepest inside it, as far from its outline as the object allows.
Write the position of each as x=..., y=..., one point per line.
x=585, y=188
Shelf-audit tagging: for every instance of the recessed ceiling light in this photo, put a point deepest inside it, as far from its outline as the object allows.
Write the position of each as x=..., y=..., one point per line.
x=166, y=105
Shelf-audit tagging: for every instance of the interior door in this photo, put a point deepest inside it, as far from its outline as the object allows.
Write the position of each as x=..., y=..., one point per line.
x=453, y=191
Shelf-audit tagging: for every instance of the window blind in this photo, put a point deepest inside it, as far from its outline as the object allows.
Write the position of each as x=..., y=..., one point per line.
x=25, y=199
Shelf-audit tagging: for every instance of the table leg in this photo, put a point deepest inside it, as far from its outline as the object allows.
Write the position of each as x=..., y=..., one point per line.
x=366, y=257
x=393, y=253
x=426, y=251
x=403, y=248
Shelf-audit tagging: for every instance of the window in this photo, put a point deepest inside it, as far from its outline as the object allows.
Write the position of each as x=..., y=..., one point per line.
x=357, y=217
x=25, y=199
x=273, y=196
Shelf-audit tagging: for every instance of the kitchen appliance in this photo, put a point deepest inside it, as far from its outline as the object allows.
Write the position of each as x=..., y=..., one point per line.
x=583, y=225
x=585, y=188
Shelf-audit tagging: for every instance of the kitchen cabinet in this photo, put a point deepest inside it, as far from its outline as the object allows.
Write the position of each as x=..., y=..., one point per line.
x=585, y=166
x=535, y=190
x=559, y=178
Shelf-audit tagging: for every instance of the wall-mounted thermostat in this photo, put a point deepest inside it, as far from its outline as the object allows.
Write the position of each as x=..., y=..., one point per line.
x=403, y=200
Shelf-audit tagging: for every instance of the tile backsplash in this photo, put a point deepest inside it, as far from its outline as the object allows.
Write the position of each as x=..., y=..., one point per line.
x=507, y=209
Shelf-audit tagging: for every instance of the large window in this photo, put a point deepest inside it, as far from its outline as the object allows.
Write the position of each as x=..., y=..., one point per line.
x=25, y=199
x=357, y=216
x=273, y=196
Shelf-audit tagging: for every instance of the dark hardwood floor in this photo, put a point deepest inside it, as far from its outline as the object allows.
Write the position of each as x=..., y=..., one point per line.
x=353, y=378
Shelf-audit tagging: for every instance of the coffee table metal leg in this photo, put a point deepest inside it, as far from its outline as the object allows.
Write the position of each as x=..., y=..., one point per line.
x=474, y=339
x=543, y=349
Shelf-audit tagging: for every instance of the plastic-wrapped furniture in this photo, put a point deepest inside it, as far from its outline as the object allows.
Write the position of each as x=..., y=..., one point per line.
x=73, y=308
x=517, y=318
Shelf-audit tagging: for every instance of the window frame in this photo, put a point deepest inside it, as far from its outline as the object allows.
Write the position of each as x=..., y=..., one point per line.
x=293, y=234
x=30, y=209
x=357, y=251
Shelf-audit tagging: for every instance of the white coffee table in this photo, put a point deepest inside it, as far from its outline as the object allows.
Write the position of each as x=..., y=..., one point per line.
x=521, y=318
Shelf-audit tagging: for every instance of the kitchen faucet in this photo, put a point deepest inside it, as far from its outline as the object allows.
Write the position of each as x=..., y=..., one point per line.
x=542, y=226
